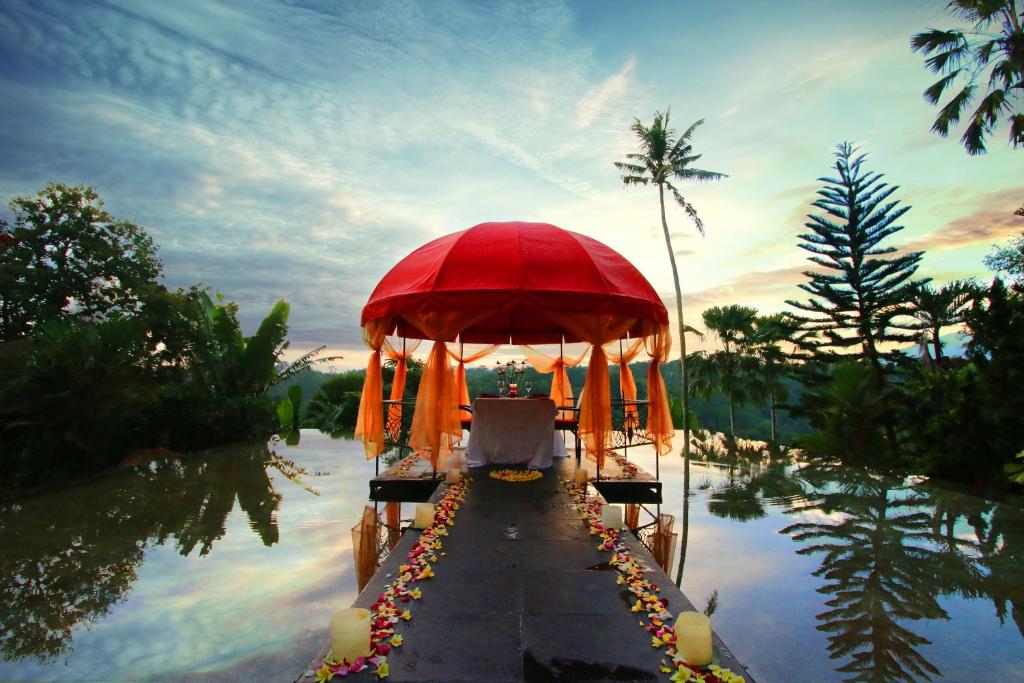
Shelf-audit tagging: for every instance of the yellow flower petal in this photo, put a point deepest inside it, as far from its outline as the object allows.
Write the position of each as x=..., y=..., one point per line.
x=382, y=670
x=396, y=641
x=406, y=615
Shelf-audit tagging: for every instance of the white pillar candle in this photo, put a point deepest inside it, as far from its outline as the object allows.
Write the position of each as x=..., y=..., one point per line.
x=693, y=631
x=611, y=516
x=424, y=516
x=582, y=477
x=350, y=634
x=454, y=475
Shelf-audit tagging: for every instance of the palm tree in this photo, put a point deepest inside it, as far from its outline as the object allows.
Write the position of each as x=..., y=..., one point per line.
x=665, y=157
x=734, y=327
x=942, y=307
x=994, y=58
x=768, y=332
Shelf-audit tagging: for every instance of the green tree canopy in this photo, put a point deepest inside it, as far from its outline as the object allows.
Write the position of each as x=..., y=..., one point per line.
x=65, y=255
x=1008, y=259
x=858, y=299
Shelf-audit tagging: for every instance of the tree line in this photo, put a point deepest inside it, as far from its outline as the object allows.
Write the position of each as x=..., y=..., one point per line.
x=99, y=361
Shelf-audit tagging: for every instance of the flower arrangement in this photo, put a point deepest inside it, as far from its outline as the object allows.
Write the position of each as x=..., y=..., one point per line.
x=648, y=605
x=516, y=475
x=389, y=609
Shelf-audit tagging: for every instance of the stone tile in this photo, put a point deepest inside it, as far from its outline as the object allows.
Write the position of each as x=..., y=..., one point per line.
x=561, y=555
x=470, y=647
x=573, y=592
x=586, y=648
x=459, y=591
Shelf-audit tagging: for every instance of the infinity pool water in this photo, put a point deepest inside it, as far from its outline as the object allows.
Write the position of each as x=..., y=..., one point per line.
x=226, y=566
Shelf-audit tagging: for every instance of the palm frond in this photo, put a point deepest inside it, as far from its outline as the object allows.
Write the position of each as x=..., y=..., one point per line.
x=950, y=114
x=688, y=208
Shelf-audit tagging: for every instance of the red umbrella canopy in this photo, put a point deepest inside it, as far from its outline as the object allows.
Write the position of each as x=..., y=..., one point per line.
x=522, y=272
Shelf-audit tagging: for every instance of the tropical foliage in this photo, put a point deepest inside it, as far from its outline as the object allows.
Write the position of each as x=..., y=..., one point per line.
x=103, y=361
x=988, y=56
x=1009, y=259
x=939, y=308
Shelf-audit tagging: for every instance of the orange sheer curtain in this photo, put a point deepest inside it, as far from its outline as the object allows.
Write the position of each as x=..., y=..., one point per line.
x=364, y=546
x=626, y=381
x=561, y=389
x=595, y=423
x=659, y=417
x=436, y=423
x=461, y=390
x=398, y=383
x=370, y=419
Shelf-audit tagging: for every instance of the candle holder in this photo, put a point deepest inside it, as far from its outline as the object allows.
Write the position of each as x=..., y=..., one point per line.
x=424, y=516
x=509, y=374
x=693, y=631
x=350, y=634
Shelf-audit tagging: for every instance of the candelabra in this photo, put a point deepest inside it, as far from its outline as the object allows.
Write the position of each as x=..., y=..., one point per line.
x=509, y=375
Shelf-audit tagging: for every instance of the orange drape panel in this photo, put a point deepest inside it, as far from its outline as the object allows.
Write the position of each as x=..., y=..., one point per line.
x=370, y=420
x=394, y=522
x=364, y=546
x=595, y=423
x=626, y=381
x=436, y=423
x=461, y=390
x=398, y=383
x=561, y=389
x=659, y=417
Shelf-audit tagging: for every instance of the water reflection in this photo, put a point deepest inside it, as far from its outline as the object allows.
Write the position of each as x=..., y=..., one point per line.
x=891, y=552
x=67, y=559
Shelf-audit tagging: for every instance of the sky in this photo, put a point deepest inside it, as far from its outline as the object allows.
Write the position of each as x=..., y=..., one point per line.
x=298, y=149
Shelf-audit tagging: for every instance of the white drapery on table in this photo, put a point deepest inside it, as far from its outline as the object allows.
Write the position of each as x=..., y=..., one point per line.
x=514, y=431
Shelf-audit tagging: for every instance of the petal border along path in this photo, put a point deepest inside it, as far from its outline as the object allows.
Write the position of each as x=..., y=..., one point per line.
x=648, y=603
x=385, y=613
x=523, y=593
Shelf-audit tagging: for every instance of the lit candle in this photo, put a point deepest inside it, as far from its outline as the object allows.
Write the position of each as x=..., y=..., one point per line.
x=611, y=516
x=582, y=477
x=454, y=475
x=693, y=630
x=350, y=634
x=424, y=516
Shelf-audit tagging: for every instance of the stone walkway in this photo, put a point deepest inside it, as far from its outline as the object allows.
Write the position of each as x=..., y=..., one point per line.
x=524, y=595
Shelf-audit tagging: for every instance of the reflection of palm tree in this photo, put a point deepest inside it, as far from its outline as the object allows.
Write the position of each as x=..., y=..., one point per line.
x=211, y=487
x=1003, y=557
x=880, y=572
x=744, y=502
x=66, y=565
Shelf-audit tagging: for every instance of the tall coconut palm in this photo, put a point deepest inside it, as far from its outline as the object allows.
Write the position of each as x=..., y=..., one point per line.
x=989, y=55
x=942, y=307
x=666, y=158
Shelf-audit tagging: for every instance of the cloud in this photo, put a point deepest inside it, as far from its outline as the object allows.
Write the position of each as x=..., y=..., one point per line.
x=609, y=91
x=981, y=225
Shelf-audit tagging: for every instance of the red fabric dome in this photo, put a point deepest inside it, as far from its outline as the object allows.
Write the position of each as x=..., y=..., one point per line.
x=521, y=271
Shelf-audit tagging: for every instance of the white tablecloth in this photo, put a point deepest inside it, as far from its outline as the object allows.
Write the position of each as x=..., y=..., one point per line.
x=514, y=431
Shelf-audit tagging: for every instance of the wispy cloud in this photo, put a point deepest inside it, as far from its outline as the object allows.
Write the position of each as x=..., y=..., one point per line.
x=606, y=93
x=299, y=149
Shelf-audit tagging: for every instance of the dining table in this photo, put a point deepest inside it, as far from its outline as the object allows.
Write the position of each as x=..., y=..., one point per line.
x=514, y=431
